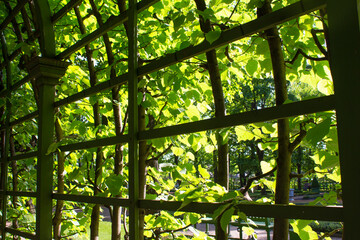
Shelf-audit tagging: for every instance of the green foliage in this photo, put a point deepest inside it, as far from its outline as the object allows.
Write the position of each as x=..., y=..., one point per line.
x=178, y=94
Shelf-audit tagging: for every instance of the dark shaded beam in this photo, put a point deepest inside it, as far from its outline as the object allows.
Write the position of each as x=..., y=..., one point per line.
x=25, y=118
x=11, y=57
x=95, y=143
x=23, y=156
x=15, y=86
x=21, y=194
x=20, y=233
x=12, y=14
x=343, y=19
x=93, y=199
x=22, y=119
x=63, y=11
x=252, y=209
x=122, y=79
x=110, y=24
x=268, y=114
x=268, y=21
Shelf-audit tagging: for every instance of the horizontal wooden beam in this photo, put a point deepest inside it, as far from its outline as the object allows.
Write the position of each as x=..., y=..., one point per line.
x=20, y=233
x=252, y=209
x=92, y=199
x=110, y=24
x=15, y=86
x=268, y=114
x=12, y=56
x=23, y=156
x=12, y=14
x=95, y=143
x=67, y=8
x=120, y=80
x=23, y=119
x=21, y=194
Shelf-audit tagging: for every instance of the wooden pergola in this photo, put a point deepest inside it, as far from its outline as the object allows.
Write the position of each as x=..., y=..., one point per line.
x=47, y=69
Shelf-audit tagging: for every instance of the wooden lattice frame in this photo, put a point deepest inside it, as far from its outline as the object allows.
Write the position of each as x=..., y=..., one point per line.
x=345, y=38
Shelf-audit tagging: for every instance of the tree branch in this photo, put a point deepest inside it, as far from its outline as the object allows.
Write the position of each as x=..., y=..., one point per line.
x=317, y=42
x=300, y=51
x=160, y=154
x=297, y=141
x=243, y=190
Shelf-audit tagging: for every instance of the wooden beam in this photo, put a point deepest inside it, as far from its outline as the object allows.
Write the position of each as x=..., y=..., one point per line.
x=110, y=24
x=63, y=11
x=93, y=199
x=254, y=209
x=12, y=14
x=268, y=114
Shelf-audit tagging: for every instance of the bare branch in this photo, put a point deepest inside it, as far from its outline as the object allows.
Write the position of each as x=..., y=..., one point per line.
x=297, y=141
x=317, y=42
x=244, y=190
x=300, y=51
x=160, y=154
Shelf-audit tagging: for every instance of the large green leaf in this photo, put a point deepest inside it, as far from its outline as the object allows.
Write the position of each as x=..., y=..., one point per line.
x=317, y=133
x=252, y=66
x=212, y=36
x=226, y=218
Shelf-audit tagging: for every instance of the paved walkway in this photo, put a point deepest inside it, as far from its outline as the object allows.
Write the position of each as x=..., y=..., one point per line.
x=261, y=234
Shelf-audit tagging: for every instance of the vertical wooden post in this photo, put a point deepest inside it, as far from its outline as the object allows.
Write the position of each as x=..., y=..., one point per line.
x=344, y=49
x=6, y=139
x=47, y=73
x=133, y=123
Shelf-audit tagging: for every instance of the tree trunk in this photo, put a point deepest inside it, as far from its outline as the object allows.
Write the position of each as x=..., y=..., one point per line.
x=60, y=181
x=95, y=215
x=118, y=160
x=222, y=164
x=15, y=183
x=281, y=225
x=299, y=167
x=142, y=168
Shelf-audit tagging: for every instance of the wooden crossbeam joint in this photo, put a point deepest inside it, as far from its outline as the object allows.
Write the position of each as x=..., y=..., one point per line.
x=47, y=70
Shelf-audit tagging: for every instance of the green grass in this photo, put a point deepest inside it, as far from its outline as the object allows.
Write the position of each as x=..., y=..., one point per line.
x=104, y=229
x=104, y=232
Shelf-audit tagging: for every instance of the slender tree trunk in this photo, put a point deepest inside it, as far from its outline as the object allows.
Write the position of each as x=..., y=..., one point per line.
x=222, y=164
x=299, y=167
x=118, y=160
x=15, y=183
x=95, y=215
x=2, y=143
x=281, y=225
x=60, y=181
x=142, y=168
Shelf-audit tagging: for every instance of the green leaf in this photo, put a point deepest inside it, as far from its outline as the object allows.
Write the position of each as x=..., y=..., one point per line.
x=251, y=66
x=114, y=183
x=193, y=113
x=177, y=151
x=226, y=217
x=243, y=134
x=248, y=231
x=265, y=167
x=212, y=36
x=178, y=22
x=255, y=4
x=220, y=210
x=209, y=148
x=52, y=148
x=203, y=172
x=228, y=196
x=190, y=156
x=317, y=133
